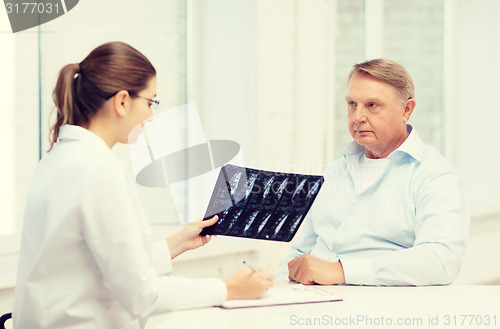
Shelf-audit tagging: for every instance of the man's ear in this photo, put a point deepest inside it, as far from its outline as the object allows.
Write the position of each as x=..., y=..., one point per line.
x=121, y=103
x=408, y=109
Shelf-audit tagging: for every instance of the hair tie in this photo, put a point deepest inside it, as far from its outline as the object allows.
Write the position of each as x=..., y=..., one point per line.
x=77, y=71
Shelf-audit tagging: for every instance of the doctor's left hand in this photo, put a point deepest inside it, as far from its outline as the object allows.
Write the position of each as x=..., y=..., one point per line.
x=189, y=237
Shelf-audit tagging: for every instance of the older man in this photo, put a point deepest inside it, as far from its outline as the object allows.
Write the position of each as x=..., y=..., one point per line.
x=391, y=211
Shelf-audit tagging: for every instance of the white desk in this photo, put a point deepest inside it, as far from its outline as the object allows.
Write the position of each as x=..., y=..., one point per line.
x=454, y=306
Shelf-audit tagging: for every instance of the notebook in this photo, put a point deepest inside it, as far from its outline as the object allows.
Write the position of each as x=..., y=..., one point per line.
x=285, y=295
x=260, y=204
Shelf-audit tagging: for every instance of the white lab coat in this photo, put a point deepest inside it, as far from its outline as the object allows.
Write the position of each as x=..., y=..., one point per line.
x=86, y=259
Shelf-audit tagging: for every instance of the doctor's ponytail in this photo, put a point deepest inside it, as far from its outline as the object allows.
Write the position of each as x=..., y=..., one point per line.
x=83, y=88
x=64, y=98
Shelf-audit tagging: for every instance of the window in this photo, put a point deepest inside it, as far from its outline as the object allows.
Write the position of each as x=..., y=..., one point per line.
x=19, y=135
x=7, y=134
x=7, y=167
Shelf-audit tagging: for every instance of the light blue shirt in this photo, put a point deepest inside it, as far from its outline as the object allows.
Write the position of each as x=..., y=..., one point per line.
x=408, y=227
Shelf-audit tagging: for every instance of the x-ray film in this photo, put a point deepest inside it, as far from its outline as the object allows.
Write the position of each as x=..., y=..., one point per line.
x=260, y=204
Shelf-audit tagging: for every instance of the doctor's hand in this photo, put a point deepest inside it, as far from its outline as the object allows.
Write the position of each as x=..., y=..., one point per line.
x=308, y=269
x=247, y=284
x=189, y=237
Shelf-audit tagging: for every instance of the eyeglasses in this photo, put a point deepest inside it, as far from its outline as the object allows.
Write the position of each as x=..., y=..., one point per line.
x=154, y=103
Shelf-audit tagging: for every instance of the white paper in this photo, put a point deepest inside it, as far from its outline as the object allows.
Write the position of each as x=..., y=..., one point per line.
x=285, y=295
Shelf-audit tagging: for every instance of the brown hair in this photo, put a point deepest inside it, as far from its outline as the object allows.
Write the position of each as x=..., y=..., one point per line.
x=390, y=72
x=82, y=88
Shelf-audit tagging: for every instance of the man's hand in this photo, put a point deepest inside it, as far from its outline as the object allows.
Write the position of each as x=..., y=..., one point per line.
x=308, y=269
x=189, y=237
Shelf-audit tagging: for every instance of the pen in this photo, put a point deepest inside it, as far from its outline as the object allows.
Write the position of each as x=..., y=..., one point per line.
x=251, y=267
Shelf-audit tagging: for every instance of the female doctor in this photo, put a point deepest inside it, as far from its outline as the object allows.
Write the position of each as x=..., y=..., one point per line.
x=86, y=259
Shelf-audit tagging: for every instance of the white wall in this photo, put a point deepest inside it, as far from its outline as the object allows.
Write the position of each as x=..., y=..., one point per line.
x=475, y=110
x=256, y=65
x=222, y=68
x=474, y=138
x=294, y=85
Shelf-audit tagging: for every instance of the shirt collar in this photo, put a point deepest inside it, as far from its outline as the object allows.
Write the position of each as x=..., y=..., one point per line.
x=77, y=133
x=413, y=146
